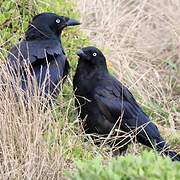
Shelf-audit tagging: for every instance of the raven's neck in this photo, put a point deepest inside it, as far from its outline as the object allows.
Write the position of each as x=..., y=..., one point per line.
x=86, y=79
x=92, y=72
x=40, y=33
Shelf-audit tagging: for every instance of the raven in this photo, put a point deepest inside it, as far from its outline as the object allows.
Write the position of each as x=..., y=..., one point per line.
x=108, y=108
x=42, y=53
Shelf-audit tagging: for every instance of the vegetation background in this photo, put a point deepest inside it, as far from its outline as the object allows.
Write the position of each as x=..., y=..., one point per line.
x=141, y=40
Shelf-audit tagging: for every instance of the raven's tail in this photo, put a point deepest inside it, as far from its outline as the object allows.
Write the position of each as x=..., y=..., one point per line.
x=173, y=155
x=153, y=139
x=165, y=149
x=149, y=135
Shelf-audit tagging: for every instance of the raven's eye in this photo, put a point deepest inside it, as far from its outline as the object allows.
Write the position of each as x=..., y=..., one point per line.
x=94, y=54
x=58, y=21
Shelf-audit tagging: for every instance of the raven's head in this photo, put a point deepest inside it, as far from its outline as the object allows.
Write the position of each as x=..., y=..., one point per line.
x=48, y=25
x=92, y=56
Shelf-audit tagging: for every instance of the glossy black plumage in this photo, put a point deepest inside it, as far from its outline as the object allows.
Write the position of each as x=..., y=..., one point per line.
x=105, y=104
x=42, y=53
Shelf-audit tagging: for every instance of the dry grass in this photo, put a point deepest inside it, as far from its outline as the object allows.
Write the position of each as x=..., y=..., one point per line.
x=142, y=38
x=36, y=141
x=24, y=150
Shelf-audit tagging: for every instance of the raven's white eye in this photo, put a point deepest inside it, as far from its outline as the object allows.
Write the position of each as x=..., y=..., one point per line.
x=94, y=54
x=58, y=21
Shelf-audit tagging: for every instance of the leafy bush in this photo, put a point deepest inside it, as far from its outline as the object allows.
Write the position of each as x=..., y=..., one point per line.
x=148, y=166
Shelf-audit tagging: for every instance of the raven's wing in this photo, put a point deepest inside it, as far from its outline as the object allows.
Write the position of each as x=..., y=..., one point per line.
x=47, y=62
x=115, y=99
x=52, y=74
x=116, y=102
x=32, y=51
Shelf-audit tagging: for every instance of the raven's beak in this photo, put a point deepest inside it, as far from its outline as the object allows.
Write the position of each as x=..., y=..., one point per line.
x=81, y=54
x=72, y=22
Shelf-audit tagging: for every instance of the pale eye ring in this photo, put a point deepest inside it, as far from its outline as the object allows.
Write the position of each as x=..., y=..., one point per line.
x=58, y=21
x=94, y=54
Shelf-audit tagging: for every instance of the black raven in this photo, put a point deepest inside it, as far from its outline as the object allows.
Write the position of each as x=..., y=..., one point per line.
x=42, y=53
x=106, y=106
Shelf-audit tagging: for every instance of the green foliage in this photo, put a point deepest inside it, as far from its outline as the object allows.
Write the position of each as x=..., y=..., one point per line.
x=148, y=166
x=14, y=18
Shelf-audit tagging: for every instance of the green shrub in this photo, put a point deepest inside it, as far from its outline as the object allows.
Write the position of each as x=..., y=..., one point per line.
x=148, y=166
